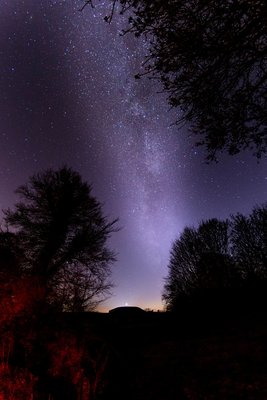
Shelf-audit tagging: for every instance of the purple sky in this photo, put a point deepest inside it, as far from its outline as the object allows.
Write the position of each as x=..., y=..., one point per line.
x=68, y=96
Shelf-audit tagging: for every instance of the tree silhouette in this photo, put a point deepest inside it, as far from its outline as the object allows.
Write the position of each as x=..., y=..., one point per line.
x=215, y=269
x=211, y=58
x=199, y=261
x=60, y=228
x=10, y=256
x=249, y=243
x=79, y=289
x=185, y=255
x=223, y=257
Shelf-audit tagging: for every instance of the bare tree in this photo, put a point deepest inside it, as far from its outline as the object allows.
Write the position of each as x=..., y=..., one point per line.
x=63, y=234
x=211, y=57
x=249, y=243
x=77, y=289
x=199, y=260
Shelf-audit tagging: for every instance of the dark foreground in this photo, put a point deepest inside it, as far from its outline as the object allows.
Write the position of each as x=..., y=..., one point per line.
x=96, y=356
x=164, y=358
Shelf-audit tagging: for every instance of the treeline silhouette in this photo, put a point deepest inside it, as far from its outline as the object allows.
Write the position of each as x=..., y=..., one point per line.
x=220, y=265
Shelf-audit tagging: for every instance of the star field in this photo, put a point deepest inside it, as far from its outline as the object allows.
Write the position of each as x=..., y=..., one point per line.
x=68, y=96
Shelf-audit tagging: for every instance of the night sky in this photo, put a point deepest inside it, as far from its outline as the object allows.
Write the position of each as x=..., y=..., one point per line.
x=68, y=96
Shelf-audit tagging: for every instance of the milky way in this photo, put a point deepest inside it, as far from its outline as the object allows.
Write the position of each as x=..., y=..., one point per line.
x=68, y=96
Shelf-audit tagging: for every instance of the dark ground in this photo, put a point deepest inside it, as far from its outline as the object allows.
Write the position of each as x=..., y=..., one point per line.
x=161, y=356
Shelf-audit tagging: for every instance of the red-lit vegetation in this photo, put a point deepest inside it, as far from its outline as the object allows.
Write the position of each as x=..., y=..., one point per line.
x=41, y=355
x=93, y=356
x=15, y=383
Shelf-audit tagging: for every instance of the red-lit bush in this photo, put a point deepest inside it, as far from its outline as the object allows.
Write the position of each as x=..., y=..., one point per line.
x=15, y=384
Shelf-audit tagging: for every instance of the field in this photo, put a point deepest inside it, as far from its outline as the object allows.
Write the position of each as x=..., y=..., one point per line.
x=159, y=356
x=147, y=356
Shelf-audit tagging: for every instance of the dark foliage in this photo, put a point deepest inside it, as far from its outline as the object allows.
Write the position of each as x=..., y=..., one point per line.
x=219, y=259
x=199, y=259
x=10, y=255
x=211, y=58
x=249, y=243
x=63, y=235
